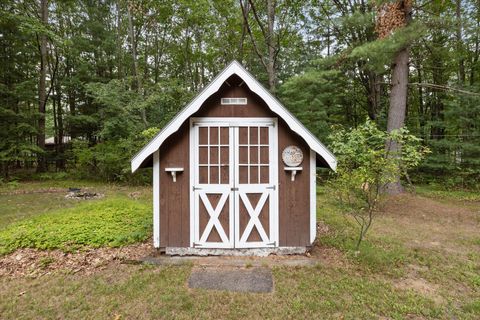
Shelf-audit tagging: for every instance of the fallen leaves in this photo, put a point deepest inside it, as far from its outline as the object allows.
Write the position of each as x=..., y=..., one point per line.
x=36, y=263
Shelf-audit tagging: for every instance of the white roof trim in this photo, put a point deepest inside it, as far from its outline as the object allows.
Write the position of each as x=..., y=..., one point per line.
x=234, y=68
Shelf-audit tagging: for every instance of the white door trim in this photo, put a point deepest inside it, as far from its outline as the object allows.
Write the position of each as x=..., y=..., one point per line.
x=200, y=191
x=269, y=191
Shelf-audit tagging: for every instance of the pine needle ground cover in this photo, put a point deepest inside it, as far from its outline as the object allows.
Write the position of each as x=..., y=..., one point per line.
x=112, y=222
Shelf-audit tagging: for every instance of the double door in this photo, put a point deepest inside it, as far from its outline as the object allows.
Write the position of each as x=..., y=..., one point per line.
x=234, y=182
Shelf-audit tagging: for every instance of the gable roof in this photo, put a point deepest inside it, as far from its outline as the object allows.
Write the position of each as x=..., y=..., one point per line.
x=234, y=68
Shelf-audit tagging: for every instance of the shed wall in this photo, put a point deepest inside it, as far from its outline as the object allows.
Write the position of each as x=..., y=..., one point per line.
x=294, y=196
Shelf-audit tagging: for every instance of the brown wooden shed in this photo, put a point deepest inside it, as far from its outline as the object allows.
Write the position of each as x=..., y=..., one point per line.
x=234, y=172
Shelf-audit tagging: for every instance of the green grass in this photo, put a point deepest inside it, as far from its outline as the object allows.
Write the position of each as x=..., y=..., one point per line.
x=439, y=193
x=379, y=254
x=361, y=285
x=23, y=200
x=134, y=292
x=112, y=222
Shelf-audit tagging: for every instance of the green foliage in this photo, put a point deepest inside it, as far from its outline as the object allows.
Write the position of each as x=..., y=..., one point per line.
x=113, y=222
x=366, y=166
x=110, y=160
x=330, y=65
x=319, y=98
x=380, y=53
x=455, y=161
x=377, y=255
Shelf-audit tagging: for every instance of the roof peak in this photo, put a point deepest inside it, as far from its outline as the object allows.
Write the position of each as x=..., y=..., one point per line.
x=234, y=67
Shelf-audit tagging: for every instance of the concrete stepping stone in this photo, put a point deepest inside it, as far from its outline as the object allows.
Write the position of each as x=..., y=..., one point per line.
x=232, y=279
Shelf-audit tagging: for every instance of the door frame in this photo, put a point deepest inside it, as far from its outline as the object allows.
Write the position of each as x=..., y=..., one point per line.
x=273, y=193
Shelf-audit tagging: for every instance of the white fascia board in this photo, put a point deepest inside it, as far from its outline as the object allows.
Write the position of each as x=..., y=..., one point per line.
x=234, y=68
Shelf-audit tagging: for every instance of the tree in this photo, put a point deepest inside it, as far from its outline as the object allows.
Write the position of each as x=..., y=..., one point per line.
x=269, y=37
x=365, y=166
x=133, y=47
x=42, y=88
x=391, y=17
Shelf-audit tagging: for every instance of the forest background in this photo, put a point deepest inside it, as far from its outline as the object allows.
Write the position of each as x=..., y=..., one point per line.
x=100, y=78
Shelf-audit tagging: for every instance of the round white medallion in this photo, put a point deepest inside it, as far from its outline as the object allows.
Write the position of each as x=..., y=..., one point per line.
x=292, y=156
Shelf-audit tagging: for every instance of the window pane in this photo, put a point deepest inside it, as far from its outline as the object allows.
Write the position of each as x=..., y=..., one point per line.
x=224, y=175
x=213, y=135
x=203, y=174
x=214, y=175
x=243, y=174
x=264, y=174
x=264, y=135
x=243, y=155
x=214, y=155
x=224, y=135
x=202, y=135
x=203, y=155
x=254, y=174
x=243, y=135
x=264, y=155
x=253, y=155
x=253, y=135
x=224, y=155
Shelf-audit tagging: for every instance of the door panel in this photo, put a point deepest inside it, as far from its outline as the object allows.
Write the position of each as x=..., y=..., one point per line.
x=255, y=178
x=213, y=183
x=235, y=195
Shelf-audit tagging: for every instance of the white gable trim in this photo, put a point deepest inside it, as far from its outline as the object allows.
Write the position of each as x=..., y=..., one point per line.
x=234, y=68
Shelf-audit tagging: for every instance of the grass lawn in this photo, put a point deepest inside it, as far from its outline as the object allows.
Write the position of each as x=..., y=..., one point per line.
x=420, y=261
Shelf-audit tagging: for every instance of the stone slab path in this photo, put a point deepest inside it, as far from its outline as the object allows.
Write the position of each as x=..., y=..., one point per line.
x=258, y=280
x=224, y=261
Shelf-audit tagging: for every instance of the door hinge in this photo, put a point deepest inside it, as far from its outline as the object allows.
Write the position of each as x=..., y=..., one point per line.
x=274, y=243
x=272, y=187
x=196, y=188
x=196, y=245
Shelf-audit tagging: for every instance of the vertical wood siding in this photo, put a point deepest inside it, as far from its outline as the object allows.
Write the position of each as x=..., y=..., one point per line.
x=175, y=196
x=294, y=197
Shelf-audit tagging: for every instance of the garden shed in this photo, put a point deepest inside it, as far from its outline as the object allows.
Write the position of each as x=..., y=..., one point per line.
x=234, y=173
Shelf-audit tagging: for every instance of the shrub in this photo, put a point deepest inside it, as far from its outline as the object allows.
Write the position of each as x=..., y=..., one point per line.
x=366, y=167
x=110, y=160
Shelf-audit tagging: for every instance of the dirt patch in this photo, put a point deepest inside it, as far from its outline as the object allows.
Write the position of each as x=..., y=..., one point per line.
x=327, y=255
x=35, y=263
x=449, y=225
x=413, y=281
x=420, y=286
x=415, y=205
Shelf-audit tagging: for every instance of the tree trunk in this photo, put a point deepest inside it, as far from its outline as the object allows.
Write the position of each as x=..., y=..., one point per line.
x=42, y=90
x=374, y=94
x=396, y=111
x=60, y=150
x=119, y=42
x=461, y=61
x=136, y=76
x=272, y=76
x=244, y=31
x=392, y=16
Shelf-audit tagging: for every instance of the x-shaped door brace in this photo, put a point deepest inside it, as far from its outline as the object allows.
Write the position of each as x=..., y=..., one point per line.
x=254, y=214
x=214, y=214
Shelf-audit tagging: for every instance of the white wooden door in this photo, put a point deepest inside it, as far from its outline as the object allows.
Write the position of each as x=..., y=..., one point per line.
x=234, y=183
